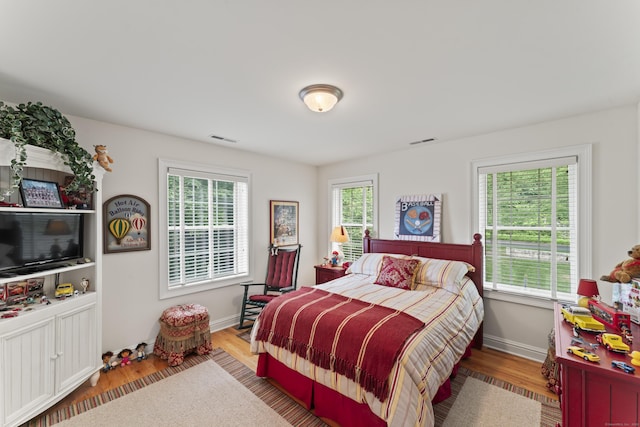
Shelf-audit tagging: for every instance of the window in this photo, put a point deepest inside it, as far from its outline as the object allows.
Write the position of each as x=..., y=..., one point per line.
x=205, y=240
x=533, y=211
x=354, y=206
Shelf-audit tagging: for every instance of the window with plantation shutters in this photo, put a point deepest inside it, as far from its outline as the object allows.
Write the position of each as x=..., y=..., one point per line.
x=206, y=242
x=533, y=213
x=353, y=206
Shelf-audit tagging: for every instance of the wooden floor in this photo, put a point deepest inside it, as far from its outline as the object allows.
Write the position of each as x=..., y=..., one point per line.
x=515, y=370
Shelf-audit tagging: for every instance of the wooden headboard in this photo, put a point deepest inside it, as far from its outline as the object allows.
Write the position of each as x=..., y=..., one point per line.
x=472, y=254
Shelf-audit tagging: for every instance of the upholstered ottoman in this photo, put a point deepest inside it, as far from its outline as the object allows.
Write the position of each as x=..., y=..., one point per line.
x=184, y=329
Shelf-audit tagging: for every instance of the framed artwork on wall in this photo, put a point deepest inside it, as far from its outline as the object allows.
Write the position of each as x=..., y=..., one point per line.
x=40, y=194
x=126, y=224
x=283, y=222
x=418, y=218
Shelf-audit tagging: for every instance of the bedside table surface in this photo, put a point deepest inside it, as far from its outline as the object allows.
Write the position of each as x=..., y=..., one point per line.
x=325, y=273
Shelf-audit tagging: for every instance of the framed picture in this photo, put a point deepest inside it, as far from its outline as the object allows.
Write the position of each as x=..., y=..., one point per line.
x=418, y=217
x=126, y=224
x=40, y=194
x=284, y=223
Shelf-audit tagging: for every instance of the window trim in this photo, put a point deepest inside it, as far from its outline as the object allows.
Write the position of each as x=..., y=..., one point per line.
x=346, y=182
x=164, y=166
x=584, y=227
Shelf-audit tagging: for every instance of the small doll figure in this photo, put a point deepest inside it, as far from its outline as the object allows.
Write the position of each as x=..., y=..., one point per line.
x=334, y=258
x=124, y=356
x=140, y=351
x=85, y=284
x=106, y=361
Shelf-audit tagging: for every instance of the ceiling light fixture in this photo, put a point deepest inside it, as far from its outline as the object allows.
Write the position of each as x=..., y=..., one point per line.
x=320, y=98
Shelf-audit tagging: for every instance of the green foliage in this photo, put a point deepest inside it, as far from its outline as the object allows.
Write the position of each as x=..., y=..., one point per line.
x=42, y=126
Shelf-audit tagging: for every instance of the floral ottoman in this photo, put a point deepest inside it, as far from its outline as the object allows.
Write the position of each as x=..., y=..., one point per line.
x=184, y=329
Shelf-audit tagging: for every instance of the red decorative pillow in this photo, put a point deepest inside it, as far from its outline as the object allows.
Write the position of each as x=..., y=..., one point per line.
x=398, y=272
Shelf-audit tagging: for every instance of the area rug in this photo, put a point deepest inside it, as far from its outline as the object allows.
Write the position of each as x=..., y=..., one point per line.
x=205, y=390
x=481, y=400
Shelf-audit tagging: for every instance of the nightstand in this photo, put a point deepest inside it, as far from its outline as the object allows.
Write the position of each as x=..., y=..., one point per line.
x=325, y=273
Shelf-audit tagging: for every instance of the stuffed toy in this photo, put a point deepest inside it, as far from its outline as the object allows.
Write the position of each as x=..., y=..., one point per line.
x=626, y=270
x=102, y=157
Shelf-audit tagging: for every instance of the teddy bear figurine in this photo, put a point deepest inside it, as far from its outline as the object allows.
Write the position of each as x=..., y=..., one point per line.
x=627, y=269
x=102, y=157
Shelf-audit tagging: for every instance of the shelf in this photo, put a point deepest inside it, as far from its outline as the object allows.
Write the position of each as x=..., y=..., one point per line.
x=56, y=270
x=38, y=311
x=45, y=210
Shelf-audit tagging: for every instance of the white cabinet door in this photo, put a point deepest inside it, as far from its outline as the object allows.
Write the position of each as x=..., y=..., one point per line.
x=27, y=370
x=76, y=333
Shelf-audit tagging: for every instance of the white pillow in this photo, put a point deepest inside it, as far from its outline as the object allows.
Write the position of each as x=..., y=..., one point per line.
x=370, y=264
x=442, y=273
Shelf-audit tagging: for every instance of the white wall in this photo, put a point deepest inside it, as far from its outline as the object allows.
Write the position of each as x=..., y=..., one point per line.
x=131, y=306
x=445, y=168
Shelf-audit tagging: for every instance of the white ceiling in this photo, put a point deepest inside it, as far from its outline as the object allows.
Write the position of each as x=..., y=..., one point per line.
x=409, y=69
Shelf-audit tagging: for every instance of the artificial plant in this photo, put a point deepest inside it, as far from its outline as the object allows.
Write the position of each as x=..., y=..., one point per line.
x=42, y=126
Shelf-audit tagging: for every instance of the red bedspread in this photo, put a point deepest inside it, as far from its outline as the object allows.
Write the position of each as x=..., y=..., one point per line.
x=353, y=338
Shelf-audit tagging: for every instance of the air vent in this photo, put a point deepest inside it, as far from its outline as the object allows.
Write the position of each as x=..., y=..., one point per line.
x=424, y=141
x=223, y=139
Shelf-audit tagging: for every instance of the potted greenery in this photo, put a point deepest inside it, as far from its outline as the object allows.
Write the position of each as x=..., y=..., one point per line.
x=42, y=126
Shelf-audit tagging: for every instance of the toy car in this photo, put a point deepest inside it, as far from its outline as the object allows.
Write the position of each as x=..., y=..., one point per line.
x=613, y=342
x=580, y=352
x=9, y=314
x=581, y=318
x=64, y=290
x=622, y=365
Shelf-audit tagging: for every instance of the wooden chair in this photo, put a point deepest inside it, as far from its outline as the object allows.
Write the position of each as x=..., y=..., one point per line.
x=282, y=277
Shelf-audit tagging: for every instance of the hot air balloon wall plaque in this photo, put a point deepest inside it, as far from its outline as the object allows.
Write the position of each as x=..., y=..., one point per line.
x=126, y=224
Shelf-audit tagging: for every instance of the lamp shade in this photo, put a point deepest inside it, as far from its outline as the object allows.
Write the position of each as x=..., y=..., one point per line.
x=339, y=235
x=587, y=288
x=320, y=98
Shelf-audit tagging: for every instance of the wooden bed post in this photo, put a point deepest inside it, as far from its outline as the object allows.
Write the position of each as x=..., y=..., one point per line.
x=366, y=241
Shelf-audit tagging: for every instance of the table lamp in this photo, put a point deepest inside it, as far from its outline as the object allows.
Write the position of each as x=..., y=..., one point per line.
x=587, y=289
x=339, y=235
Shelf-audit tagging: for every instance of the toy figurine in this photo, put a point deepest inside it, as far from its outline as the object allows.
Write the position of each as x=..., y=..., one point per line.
x=334, y=258
x=106, y=361
x=626, y=333
x=84, y=283
x=124, y=356
x=140, y=351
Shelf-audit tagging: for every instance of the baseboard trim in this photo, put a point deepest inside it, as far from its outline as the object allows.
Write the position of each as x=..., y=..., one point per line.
x=526, y=351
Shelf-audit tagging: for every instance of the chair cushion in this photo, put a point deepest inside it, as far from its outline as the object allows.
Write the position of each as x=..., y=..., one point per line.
x=281, y=268
x=262, y=298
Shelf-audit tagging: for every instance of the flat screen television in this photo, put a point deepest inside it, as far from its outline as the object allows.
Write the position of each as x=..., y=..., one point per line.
x=32, y=240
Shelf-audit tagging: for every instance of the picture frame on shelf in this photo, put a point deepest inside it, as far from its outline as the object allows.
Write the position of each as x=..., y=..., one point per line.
x=40, y=194
x=283, y=224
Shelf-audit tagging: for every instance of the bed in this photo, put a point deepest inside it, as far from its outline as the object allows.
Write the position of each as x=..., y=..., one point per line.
x=365, y=354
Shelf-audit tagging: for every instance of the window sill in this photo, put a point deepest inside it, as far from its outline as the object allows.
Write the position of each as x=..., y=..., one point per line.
x=514, y=298
x=202, y=286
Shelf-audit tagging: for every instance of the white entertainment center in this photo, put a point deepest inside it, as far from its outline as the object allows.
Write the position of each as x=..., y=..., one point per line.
x=48, y=350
